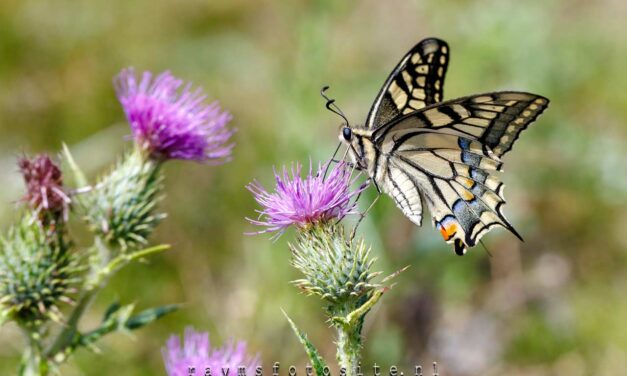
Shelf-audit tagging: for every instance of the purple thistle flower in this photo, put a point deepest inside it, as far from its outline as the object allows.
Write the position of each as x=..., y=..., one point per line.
x=44, y=185
x=196, y=352
x=304, y=202
x=170, y=120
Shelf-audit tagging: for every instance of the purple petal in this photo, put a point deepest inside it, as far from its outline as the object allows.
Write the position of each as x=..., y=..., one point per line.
x=302, y=202
x=172, y=121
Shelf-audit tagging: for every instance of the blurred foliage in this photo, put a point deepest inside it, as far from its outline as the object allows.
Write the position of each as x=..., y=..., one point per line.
x=553, y=305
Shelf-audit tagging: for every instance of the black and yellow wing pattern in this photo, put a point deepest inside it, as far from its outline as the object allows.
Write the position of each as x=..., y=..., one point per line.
x=415, y=83
x=447, y=154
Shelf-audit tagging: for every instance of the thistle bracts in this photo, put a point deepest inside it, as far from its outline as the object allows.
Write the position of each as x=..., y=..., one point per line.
x=38, y=273
x=339, y=270
x=121, y=209
x=334, y=267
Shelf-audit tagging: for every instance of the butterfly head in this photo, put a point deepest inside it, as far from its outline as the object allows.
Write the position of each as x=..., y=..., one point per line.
x=348, y=137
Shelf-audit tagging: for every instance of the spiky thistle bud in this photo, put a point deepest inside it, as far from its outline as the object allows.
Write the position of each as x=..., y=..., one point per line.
x=44, y=187
x=122, y=207
x=37, y=273
x=334, y=268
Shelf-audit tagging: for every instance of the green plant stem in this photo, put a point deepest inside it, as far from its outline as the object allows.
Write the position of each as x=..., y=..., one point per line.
x=348, y=322
x=349, y=348
x=98, y=280
x=33, y=361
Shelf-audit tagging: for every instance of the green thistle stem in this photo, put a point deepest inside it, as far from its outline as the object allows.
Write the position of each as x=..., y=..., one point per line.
x=69, y=335
x=33, y=361
x=349, y=348
x=349, y=326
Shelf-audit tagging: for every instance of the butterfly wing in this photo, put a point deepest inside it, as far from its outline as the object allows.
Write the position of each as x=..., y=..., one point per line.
x=494, y=119
x=416, y=82
x=447, y=154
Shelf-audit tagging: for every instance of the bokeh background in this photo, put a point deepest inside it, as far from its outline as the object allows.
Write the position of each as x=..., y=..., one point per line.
x=553, y=305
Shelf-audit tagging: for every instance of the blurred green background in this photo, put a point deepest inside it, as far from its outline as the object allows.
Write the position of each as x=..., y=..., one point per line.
x=553, y=305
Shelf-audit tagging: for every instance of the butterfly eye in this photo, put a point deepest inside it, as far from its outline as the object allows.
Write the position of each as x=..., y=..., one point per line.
x=347, y=133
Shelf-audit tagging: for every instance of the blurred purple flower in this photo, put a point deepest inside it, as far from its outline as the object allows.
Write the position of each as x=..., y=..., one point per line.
x=44, y=185
x=172, y=121
x=303, y=202
x=196, y=352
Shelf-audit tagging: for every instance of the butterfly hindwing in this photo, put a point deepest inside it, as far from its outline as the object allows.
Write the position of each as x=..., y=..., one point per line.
x=416, y=82
x=452, y=174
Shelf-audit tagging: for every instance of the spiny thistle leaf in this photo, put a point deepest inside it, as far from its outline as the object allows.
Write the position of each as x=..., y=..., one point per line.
x=37, y=273
x=122, y=207
x=112, y=309
x=117, y=318
x=317, y=361
x=147, y=316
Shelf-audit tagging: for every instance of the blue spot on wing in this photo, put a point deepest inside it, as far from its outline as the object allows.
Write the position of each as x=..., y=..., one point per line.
x=478, y=175
x=463, y=143
x=471, y=159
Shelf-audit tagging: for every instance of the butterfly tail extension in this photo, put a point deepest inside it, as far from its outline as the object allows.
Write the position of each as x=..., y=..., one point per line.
x=460, y=247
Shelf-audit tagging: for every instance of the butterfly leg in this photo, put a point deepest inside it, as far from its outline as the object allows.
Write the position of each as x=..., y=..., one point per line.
x=363, y=215
x=349, y=164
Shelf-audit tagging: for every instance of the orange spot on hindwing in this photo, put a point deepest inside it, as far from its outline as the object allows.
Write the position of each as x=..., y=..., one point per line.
x=447, y=228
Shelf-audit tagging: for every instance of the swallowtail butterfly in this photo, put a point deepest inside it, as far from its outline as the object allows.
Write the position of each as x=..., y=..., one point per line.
x=419, y=149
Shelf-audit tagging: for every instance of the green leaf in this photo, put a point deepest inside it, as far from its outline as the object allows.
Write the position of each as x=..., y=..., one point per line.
x=113, y=308
x=146, y=317
x=353, y=318
x=317, y=361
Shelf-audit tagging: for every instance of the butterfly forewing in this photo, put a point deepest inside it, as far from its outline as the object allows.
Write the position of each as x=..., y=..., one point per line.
x=416, y=82
x=493, y=119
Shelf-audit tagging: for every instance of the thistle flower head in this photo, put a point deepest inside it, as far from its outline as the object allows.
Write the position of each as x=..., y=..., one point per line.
x=44, y=185
x=196, y=352
x=37, y=274
x=169, y=120
x=304, y=202
x=334, y=268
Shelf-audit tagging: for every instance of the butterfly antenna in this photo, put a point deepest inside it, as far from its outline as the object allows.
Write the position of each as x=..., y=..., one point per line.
x=484, y=247
x=331, y=106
